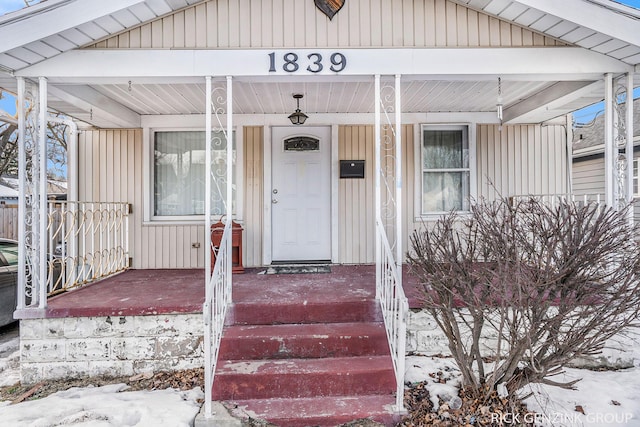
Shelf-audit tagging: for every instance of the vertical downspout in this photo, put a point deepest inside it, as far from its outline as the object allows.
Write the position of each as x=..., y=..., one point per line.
x=22, y=194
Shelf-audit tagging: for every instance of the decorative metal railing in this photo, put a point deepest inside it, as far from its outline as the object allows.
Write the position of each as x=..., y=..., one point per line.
x=389, y=239
x=395, y=309
x=218, y=299
x=218, y=285
x=86, y=241
x=553, y=199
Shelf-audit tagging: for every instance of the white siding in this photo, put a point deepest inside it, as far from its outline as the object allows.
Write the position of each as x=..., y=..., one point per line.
x=248, y=24
x=253, y=195
x=110, y=170
x=520, y=160
x=524, y=159
x=588, y=176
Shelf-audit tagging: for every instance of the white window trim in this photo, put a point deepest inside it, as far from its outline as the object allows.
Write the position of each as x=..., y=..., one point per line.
x=148, y=169
x=473, y=169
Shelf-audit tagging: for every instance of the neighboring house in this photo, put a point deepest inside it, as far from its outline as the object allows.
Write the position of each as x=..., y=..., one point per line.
x=588, y=173
x=8, y=196
x=412, y=109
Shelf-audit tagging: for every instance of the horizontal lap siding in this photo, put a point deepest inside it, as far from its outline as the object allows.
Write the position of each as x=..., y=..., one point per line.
x=110, y=169
x=295, y=23
x=588, y=176
x=520, y=160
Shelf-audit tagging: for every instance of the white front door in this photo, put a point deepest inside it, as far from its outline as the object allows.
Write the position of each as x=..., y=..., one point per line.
x=301, y=193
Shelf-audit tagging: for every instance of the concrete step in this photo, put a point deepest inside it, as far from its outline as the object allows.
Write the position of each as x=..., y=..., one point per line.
x=302, y=341
x=273, y=312
x=317, y=411
x=296, y=378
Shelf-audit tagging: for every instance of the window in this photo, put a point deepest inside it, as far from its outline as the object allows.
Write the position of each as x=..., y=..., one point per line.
x=445, y=169
x=179, y=173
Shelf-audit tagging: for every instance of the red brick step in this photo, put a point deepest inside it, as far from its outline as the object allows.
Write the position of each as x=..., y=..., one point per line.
x=294, y=378
x=318, y=411
x=304, y=341
x=273, y=313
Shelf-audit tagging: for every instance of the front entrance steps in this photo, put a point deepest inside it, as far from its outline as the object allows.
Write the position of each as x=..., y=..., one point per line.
x=307, y=361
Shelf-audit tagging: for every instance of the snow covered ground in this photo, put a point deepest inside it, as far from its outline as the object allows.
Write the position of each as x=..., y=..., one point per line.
x=107, y=406
x=606, y=398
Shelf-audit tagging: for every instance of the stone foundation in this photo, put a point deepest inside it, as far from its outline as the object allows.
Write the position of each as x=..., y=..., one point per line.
x=425, y=337
x=122, y=345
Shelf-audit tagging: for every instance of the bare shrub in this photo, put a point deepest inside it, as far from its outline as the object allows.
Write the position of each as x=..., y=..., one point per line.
x=549, y=283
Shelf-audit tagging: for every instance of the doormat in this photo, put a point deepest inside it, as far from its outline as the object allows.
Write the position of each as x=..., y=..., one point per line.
x=297, y=269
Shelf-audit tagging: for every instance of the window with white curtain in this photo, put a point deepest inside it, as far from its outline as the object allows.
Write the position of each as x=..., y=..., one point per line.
x=446, y=169
x=179, y=173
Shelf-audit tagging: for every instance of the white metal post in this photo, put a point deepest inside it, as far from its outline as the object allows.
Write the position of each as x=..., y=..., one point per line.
x=42, y=166
x=207, y=254
x=629, y=146
x=376, y=168
x=229, y=209
x=22, y=194
x=609, y=148
x=398, y=176
x=399, y=302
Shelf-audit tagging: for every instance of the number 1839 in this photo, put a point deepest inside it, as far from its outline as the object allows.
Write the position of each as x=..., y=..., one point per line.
x=314, y=62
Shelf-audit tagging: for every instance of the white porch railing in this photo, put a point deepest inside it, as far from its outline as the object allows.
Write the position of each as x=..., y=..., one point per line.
x=388, y=203
x=395, y=309
x=219, y=282
x=553, y=199
x=218, y=299
x=86, y=241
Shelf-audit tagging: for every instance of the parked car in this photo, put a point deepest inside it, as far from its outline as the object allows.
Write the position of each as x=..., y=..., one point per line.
x=8, y=279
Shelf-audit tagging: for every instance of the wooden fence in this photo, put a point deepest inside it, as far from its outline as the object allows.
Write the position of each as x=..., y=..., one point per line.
x=9, y=222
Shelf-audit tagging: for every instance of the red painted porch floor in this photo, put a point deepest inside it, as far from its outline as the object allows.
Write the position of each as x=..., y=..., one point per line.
x=148, y=292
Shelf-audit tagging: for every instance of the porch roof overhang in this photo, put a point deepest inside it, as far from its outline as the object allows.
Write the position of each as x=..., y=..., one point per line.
x=115, y=88
x=538, y=83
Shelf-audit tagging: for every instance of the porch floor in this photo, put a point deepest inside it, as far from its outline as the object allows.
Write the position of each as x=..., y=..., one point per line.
x=149, y=292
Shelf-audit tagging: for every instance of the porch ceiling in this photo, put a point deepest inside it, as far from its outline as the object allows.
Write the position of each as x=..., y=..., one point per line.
x=259, y=97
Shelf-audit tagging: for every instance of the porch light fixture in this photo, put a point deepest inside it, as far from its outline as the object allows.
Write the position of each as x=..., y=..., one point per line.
x=298, y=117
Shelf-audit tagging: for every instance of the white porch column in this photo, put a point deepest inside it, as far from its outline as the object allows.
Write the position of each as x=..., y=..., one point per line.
x=610, y=156
x=42, y=173
x=629, y=145
x=208, y=362
x=376, y=168
x=398, y=175
x=207, y=180
x=22, y=194
x=229, y=209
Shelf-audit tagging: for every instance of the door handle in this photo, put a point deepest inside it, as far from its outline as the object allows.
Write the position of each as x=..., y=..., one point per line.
x=274, y=201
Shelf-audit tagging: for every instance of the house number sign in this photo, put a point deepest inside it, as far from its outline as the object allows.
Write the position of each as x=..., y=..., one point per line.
x=291, y=62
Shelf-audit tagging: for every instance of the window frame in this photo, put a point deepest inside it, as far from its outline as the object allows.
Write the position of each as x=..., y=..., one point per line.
x=150, y=217
x=469, y=130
